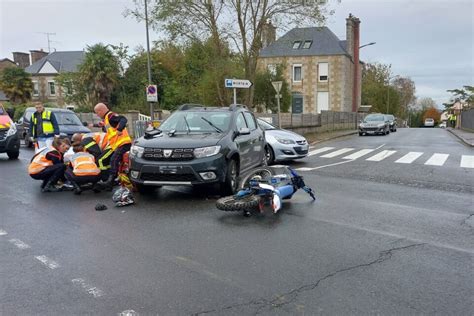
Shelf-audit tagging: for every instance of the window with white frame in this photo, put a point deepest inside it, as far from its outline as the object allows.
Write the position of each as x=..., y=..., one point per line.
x=35, y=88
x=323, y=72
x=297, y=73
x=51, y=88
x=323, y=101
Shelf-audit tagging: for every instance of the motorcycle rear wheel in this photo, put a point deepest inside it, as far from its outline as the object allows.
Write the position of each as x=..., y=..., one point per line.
x=237, y=204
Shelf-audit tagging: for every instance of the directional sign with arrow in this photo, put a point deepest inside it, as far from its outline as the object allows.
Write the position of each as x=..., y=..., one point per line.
x=238, y=83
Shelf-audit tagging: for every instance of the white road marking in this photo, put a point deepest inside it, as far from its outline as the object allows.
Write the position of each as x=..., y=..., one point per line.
x=410, y=157
x=437, y=160
x=318, y=151
x=320, y=167
x=381, y=155
x=380, y=146
x=20, y=244
x=92, y=290
x=129, y=312
x=467, y=161
x=358, y=154
x=337, y=153
x=3, y=233
x=48, y=262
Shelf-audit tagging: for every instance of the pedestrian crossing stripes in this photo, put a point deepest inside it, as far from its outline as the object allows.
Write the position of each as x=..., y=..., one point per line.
x=467, y=161
x=337, y=153
x=381, y=155
x=358, y=154
x=410, y=157
x=320, y=150
x=437, y=160
x=373, y=154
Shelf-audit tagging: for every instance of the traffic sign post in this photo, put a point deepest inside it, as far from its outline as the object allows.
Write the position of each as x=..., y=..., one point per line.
x=277, y=86
x=152, y=93
x=237, y=84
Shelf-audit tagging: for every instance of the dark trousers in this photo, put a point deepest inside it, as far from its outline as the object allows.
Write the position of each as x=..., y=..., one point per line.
x=80, y=180
x=103, y=160
x=51, y=173
x=117, y=157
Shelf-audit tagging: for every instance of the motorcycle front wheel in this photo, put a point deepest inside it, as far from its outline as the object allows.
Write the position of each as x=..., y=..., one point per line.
x=236, y=204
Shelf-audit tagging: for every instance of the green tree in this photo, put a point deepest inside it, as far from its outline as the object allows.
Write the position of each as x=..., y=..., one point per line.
x=264, y=97
x=240, y=21
x=16, y=84
x=99, y=73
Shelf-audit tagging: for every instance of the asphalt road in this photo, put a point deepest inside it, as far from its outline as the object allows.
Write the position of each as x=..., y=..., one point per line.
x=383, y=237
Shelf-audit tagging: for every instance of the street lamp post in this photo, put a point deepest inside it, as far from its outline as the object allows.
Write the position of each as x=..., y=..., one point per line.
x=369, y=44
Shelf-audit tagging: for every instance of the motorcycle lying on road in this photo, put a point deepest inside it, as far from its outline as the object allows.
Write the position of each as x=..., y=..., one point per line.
x=262, y=187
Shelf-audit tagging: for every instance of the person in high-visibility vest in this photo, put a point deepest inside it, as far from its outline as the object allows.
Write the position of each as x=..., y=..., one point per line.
x=118, y=138
x=48, y=164
x=82, y=169
x=43, y=127
x=96, y=144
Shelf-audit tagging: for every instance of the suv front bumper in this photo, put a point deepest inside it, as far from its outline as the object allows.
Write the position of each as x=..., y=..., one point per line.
x=190, y=172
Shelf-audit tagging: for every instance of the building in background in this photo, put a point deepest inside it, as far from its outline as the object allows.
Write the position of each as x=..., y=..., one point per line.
x=44, y=70
x=323, y=72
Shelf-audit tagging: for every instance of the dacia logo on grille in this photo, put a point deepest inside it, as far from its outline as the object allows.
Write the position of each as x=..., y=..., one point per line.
x=167, y=153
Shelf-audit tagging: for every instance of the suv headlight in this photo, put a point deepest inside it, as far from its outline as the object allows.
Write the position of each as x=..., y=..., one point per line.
x=12, y=130
x=206, y=151
x=285, y=141
x=381, y=125
x=136, y=151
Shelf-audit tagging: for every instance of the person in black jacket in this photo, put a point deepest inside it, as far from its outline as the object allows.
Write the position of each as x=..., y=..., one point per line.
x=43, y=127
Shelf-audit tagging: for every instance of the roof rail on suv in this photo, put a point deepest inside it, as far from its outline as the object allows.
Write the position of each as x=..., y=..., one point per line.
x=189, y=106
x=234, y=107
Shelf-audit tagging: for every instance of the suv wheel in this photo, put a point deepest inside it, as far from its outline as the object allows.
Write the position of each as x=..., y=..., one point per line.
x=13, y=154
x=229, y=186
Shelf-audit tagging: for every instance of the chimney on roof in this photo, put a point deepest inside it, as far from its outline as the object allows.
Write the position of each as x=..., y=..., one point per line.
x=353, y=43
x=37, y=55
x=21, y=59
x=268, y=34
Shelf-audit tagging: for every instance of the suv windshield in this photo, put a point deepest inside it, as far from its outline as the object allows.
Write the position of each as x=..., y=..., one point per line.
x=64, y=118
x=197, y=122
x=374, y=118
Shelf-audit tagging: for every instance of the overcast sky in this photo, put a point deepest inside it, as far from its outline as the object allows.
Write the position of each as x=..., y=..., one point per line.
x=431, y=41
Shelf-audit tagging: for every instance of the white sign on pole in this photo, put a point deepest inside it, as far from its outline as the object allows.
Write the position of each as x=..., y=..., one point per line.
x=238, y=83
x=277, y=86
x=152, y=93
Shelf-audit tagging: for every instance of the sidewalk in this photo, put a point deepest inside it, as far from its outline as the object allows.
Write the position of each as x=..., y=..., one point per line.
x=465, y=136
x=314, y=138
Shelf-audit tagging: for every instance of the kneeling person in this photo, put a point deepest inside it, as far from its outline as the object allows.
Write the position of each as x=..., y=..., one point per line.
x=82, y=170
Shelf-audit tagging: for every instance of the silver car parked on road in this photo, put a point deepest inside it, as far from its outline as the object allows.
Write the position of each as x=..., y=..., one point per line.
x=282, y=144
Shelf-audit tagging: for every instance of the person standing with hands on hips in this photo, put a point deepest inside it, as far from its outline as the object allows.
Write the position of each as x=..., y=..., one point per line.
x=119, y=140
x=43, y=127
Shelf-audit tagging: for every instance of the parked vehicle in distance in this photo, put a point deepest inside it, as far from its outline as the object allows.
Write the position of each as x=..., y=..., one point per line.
x=198, y=145
x=68, y=123
x=442, y=125
x=374, y=124
x=282, y=144
x=9, y=140
x=429, y=122
x=392, y=122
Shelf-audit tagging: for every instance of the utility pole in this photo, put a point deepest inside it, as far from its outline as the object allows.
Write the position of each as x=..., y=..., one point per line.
x=148, y=57
x=49, y=41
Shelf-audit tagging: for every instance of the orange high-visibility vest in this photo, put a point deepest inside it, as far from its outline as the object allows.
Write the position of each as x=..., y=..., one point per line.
x=116, y=140
x=83, y=164
x=39, y=161
x=99, y=138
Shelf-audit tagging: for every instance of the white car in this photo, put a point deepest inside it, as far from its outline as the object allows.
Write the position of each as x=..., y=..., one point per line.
x=442, y=125
x=429, y=122
x=282, y=144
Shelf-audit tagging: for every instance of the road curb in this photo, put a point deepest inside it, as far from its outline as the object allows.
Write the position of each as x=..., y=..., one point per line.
x=465, y=141
x=334, y=137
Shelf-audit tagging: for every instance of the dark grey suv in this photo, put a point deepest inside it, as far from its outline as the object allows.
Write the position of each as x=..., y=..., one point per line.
x=198, y=145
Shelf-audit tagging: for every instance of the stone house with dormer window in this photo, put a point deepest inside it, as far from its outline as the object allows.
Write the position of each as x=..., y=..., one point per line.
x=323, y=72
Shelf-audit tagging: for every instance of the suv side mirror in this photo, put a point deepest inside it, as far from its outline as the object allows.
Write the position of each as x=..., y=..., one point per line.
x=20, y=121
x=244, y=131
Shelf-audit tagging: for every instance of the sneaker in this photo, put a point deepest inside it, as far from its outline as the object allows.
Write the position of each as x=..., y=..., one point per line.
x=67, y=186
